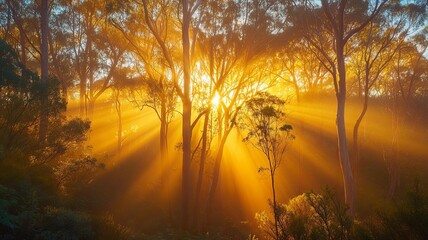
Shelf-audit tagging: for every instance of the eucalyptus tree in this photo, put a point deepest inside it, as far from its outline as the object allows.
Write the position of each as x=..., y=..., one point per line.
x=220, y=58
x=44, y=59
x=374, y=50
x=159, y=95
x=404, y=90
x=96, y=49
x=60, y=52
x=186, y=9
x=62, y=151
x=32, y=22
x=120, y=84
x=27, y=28
x=79, y=26
x=328, y=28
x=150, y=82
x=295, y=65
x=268, y=133
x=109, y=49
x=20, y=26
x=234, y=41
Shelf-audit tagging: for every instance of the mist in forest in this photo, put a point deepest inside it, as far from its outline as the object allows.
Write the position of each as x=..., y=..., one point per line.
x=201, y=119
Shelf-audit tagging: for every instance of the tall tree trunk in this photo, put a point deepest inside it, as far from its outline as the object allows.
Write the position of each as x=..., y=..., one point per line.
x=22, y=41
x=163, y=138
x=201, y=167
x=85, y=72
x=186, y=124
x=163, y=143
x=91, y=107
x=119, y=120
x=57, y=67
x=296, y=86
x=44, y=70
x=356, y=145
x=275, y=208
x=393, y=168
x=342, y=32
x=186, y=171
x=92, y=98
x=348, y=180
x=82, y=95
x=215, y=180
x=22, y=35
x=119, y=131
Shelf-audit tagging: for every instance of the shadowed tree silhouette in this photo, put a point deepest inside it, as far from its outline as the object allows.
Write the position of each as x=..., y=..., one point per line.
x=268, y=134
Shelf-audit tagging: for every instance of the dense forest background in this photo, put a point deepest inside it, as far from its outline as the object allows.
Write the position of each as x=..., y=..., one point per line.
x=201, y=119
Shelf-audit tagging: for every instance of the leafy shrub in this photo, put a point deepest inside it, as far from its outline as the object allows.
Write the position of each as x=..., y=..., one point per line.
x=19, y=212
x=310, y=216
x=407, y=220
x=32, y=170
x=60, y=223
x=108, y=229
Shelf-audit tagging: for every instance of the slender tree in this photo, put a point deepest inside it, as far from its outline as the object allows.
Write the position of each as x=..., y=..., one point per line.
x=408, y=73
x=267, y=133
x=377, y=45
x=188, y=8
x=340, y=21
x=44, y=56
x=231, y=53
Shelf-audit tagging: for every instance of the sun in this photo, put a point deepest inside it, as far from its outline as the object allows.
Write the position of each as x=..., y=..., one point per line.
x=215, y=101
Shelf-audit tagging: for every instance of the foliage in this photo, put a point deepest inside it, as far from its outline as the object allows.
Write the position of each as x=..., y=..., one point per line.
x=236, y=48
x=12, y=72
x=310, y=216
x=64, y=149
x=59, y=223
x=107, y=228
x=331, y=215
x=170, y=234
x=407, y=220
x=271, y=137
x=31, y=168
x=8, y=199
x=323, y=216
x=265, y=129
x=19, y=212
x=159, y=95
x=20, y=101
x=23, y=216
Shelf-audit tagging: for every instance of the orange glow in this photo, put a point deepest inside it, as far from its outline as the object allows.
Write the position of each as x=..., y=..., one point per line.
x=204, y=114
x=306, y=162
x=216, y=100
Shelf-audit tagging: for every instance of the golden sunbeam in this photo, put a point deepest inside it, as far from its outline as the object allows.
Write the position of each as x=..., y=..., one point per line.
x=213, y=119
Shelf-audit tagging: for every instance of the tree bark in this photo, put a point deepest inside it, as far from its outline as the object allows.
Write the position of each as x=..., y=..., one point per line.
x=22, y=41
x=119, y=119
x=85, y=72
x=163, y=138
x=82, y=96
x=22, y=35
x=186, y=123
x=341, y=34
x=275, y=209
x=91, y=107
x=393, y=161
x=57, y=68
x=44, y=70
x=356, y=144
x=201, y=167
x=348, y=180
x=216, y=177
